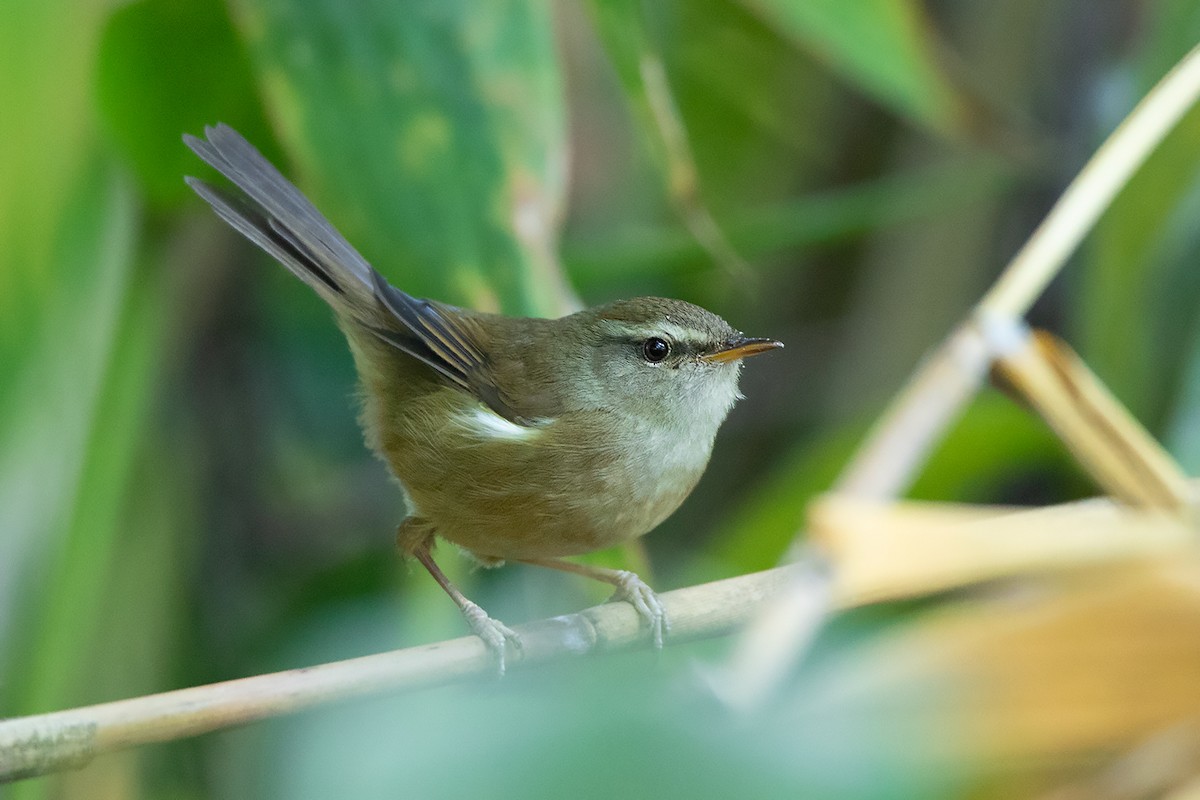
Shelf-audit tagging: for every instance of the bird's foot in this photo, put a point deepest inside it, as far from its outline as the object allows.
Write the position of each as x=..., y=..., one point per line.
x=494, y=633
x=637, y=593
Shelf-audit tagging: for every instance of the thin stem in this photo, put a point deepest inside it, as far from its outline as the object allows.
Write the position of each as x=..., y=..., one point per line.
x=936, y=393
x=1094, y=189
x=44, y=743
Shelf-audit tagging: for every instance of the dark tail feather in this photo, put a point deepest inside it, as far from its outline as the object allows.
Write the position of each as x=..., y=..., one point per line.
x=273, y=214
x=258, y=229
x=277, y=217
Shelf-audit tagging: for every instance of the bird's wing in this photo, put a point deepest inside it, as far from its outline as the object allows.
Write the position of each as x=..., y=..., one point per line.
x=449, y=343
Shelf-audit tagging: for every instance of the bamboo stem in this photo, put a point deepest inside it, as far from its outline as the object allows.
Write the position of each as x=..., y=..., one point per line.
x=914, y=422
x=43, y=743
x=1093, y=190
x=903, y=437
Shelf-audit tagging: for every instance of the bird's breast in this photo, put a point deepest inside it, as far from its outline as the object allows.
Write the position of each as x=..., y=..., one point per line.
x=564, y=486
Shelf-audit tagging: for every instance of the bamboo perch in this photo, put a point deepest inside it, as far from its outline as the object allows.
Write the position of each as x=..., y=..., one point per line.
x=43, y=743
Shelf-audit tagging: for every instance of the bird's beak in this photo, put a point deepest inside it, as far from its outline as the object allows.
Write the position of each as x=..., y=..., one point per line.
x=740, y=347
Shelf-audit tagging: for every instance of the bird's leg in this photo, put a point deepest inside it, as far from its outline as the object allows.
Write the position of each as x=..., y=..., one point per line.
x=629, y=587
x=495, y=634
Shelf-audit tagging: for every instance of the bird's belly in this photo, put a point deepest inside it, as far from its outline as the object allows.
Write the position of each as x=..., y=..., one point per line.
x=559, y=492
x=533, y=514
x=530, y=528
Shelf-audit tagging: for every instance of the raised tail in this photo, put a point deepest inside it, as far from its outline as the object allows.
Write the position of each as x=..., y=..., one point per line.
x=277, y=217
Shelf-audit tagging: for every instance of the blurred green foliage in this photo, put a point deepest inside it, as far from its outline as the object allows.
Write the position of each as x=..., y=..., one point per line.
x=183, y=493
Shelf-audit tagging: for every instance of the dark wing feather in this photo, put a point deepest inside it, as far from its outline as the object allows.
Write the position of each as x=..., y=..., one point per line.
x=451, y=343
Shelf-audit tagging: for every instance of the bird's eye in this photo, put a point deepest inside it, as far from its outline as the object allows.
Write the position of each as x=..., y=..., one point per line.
x=655, y=349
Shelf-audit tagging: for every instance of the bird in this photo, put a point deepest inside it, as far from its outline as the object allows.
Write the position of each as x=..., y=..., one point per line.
x=514, y=438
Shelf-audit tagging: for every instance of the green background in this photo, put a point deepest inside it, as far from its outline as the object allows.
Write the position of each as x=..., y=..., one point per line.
x=184, y=495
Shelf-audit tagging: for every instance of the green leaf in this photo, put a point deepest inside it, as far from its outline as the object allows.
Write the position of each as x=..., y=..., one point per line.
x=761, y=117
x=837, y=215
x=53, y=390
x=67, y=223
x=884, y=46
x=1182, y=434
x=643, y=73
x=166, y=67
x=432, y=133
x=46, y=130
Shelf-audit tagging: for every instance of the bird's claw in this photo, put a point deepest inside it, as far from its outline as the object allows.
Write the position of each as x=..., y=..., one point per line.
x=638, y=594
x=494, y=633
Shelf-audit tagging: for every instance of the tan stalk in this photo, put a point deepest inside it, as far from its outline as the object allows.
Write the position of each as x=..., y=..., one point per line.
x=1105, y=438
x=905, y=427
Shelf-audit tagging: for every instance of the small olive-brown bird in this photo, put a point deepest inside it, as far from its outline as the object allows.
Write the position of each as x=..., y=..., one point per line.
x=514, y=438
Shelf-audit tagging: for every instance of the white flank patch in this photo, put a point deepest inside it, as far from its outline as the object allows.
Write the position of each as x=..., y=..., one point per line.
x=490, y=425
